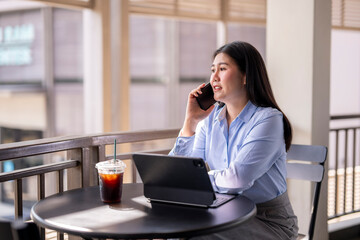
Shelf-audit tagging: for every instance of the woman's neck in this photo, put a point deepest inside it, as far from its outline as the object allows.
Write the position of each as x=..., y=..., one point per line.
x=233, y=110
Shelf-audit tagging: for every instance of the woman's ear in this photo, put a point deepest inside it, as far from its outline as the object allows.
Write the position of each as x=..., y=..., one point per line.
x=244, y=79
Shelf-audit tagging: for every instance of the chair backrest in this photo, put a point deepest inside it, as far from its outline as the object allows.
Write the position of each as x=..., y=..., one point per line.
x=18, y=230
x=306, y=162
x=25, y=231
x=5, y=230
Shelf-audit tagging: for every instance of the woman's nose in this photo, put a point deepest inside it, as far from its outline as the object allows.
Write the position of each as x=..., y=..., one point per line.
x=215, y=77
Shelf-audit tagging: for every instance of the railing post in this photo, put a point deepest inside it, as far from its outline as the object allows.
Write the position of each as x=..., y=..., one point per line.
x=60, y=185
x=98, y=157
x=353, y=172
x=85, y=167
x=74, y=177
x=74, y=174
x=41, y=195
x=85, y=174
x=345, y=173
x=90, y=158
x=18, y=198
x=336, y=171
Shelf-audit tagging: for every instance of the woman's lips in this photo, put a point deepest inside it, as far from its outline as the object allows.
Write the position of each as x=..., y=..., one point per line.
x=216, y=88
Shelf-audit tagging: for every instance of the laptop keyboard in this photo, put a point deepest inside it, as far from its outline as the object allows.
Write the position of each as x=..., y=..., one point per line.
x=221, y=199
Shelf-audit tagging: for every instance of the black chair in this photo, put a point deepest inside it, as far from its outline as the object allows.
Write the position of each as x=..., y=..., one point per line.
x=309, y=166
x=5, y=230
x=18, y=230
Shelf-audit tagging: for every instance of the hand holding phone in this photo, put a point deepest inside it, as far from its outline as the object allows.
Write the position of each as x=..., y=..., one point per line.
x=206, y=99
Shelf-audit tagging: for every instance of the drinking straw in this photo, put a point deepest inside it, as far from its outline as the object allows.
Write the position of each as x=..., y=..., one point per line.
x=114, y=150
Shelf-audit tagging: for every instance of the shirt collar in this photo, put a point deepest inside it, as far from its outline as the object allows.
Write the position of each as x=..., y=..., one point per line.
x=221, y=113
x=247, y=112
x=244, y=115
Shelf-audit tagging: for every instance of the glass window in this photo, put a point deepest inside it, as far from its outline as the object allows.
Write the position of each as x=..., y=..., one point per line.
x=148, y=39
x=345, y=74
x=22, y=64
x=68, y=45
x=68, y=71
x=168, y=58
x=255, y=35
x=148, y=69
x=21, y=47
x=197, y=44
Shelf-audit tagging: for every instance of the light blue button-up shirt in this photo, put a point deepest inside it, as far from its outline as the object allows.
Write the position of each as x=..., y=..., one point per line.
x=246, y=158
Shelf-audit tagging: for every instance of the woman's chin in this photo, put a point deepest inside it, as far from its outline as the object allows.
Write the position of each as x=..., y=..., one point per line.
x=217, y=98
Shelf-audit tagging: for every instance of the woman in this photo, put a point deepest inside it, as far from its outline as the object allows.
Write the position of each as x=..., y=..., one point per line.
x=243, y=139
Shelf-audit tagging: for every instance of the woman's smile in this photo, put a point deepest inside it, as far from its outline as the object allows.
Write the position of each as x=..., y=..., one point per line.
x=216, y=88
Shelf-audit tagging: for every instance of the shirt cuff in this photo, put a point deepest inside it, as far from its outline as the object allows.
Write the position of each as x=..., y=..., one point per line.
x=212, y=174
x=183, y=146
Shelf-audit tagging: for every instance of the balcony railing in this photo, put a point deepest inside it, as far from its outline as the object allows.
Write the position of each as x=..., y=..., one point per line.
x=77, y=169
x=82, y=153
x=344, y=166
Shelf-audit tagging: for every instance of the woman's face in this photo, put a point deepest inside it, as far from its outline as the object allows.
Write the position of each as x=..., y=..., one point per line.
x=226, y=80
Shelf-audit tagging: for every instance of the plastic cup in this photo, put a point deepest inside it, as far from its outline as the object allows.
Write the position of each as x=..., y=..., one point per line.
x=111, y=175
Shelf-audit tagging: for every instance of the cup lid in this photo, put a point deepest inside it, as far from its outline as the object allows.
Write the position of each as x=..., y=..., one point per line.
x=111, y=166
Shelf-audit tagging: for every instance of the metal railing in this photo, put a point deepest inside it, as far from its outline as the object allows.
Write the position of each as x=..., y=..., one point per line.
x=82, y=153
x=344, y=167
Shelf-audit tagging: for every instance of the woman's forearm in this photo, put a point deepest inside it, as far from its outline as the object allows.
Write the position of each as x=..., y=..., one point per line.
x=188, y=128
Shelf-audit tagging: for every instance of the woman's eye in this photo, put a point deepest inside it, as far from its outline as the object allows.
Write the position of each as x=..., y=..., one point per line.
x=212, y=70
x=222, y=69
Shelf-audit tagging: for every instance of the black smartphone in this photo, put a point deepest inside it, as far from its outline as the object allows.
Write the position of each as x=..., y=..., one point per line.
x=206, y=99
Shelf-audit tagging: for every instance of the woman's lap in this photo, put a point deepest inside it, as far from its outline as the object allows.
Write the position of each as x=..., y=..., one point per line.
x=274, y=220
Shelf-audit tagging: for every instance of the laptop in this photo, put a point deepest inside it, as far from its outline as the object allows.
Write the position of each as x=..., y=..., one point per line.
x=178, y=180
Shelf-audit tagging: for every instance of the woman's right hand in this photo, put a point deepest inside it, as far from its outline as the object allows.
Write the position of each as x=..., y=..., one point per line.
x=194, y=114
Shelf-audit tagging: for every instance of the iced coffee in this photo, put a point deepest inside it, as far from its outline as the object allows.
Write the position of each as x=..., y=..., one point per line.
x=111, y=180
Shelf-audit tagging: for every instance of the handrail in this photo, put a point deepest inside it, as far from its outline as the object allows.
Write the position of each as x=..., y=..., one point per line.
x=341, y=117
x=10, y=151
x=33, y=171
x=343, y=128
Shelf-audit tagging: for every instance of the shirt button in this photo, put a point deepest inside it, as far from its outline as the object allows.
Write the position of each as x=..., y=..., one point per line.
x=224, y=159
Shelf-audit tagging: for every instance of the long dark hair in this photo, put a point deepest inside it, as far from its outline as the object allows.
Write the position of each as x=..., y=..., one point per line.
x=250, y=63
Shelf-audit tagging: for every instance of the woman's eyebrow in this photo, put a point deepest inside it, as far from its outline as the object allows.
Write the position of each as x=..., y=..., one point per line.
x=220, y=63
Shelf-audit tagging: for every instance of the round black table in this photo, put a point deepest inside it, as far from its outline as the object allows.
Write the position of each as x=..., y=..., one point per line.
x=81, y=212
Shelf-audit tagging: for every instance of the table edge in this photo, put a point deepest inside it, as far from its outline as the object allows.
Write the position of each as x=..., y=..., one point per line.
x=191, y=233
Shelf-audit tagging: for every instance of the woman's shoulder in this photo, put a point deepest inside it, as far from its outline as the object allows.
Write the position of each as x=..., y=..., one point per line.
x=268, y=118
x=266, y=112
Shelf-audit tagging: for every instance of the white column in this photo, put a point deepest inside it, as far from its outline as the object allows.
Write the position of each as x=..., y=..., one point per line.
x=298, y=59
x=48, y=82
x=93, y=68
x=172, y=73
x=118, y=94
x=221, y=27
